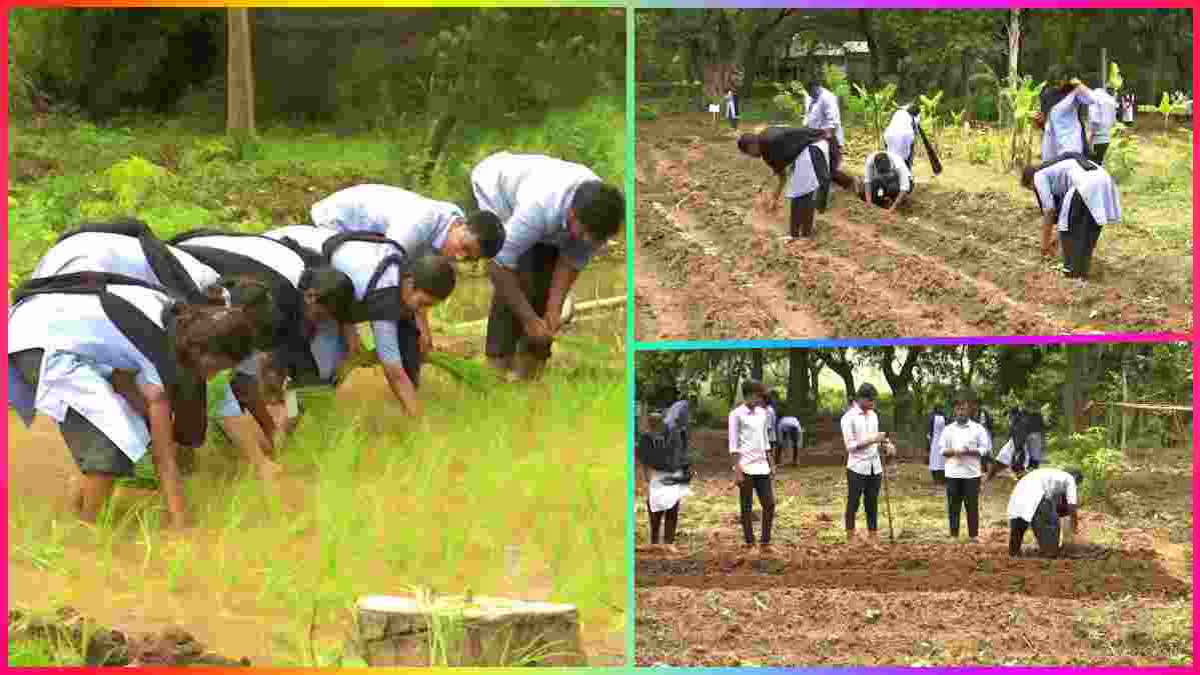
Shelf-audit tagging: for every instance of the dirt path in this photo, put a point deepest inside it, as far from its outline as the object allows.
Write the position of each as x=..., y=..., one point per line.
x=951, y=263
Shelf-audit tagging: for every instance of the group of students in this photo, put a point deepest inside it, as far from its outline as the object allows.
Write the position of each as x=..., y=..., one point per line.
x=117, y=332
x=1075, y=194
x=807, y=160
x=1041, y=497
x=1072, y=189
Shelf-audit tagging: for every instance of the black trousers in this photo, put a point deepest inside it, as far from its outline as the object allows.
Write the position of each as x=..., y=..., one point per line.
x=1098, y=152
x=766, y=498
x=671, y=516
x=939, y=475
x=960, y=492
x=1079, y=241
x=733, y=122
x=505, y=333
x=804, y=211
x=865, y=488
x=1045, y=529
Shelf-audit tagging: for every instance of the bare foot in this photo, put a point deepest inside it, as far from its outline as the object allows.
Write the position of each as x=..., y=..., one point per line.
x=670, y=549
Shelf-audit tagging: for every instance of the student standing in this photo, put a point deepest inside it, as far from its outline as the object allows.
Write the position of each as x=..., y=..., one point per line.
x=1063, y=130
x=752, y=467
x=963, y=443
x=823, y=113
x=676, y=420
x=937, y=462
x=731, y=108
x=803, y=151
x=665, y=489
x=1038, y=502
x=557, y=215
x=1102, y=115
x=1081, y=197
x=772, y=425
x=1035, y=429
x=791, y=434
x=864, y=470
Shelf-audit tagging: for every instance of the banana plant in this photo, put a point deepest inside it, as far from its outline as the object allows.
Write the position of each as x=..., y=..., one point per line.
x=877, y=103
x=1023, y=101
x=1115, y=81
x=1165, y=108
x=929, y=113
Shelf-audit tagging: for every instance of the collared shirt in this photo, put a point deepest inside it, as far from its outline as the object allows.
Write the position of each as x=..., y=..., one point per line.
x=823, y=113
x=1102, y=115
x=937, y=462
x=417, y=223
x=1052, y=183
x=1052, y=484
x=357, y=260
x=677, y=415
x=532, y=194
x=856, y=426
x=115, y=254
x=1065, y=130
x=969, y=436
x=789, y=422
x=748, y=439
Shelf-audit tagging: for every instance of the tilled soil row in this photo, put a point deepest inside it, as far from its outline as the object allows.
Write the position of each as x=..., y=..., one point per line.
x=1093, y=572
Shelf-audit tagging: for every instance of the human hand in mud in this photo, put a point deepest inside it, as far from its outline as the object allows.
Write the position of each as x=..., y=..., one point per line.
x=1050, y=250
x=538, y=330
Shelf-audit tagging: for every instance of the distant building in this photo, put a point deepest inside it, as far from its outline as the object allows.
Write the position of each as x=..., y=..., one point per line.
x=794, y=57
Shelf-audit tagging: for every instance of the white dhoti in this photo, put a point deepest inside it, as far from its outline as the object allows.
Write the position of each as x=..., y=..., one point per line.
x=664, y=497
x=804, y=178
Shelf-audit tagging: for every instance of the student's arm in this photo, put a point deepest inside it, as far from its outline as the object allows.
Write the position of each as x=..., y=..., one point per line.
x=1049, y=243
x=422, y=318
x=521, y=233
x=899, y=198
x=561, y=283
x=162, y=449
x=1041, y=184
x=387, y=348
x=123, y=383
x=733, y=446
x=352, y=338
x=947, y=451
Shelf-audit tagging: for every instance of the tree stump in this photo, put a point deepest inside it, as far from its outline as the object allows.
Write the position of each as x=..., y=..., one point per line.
x=460, y=631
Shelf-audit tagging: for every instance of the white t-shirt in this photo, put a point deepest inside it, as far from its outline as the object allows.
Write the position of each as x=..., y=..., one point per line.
x=1037, y=484
x=856, y=426
x=897, y=164
x=969, y=436
x=748, y=439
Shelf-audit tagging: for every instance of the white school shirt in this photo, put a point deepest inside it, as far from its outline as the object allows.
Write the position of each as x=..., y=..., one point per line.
x=772, y=421
x=115, y=254
x=730, y=108
x=1102, y=115
x=1039, y=484
x=936, y=461
x=1095, y=187
x=416, y=222
x=906, y=183
x=898, y=137
x=1064, y=130
x=677, y=415
x=823, y=113
x=531, y=195
x=357, y=260
x=748, y=439
x=957, y=436
x=82, y=348
x=789, y=422
x=857, y=425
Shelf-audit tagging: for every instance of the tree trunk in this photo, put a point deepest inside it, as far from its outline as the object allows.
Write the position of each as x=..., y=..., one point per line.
x=1083, y=370
x=756, y=365
x=899, y=382
x=837, y=361
x=797, y=383
x=439, y=135
x=1156, y=78
x=865, y=27
x=239, y=93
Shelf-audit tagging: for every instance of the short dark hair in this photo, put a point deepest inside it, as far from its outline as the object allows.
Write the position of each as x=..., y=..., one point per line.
x=434, y=274
x=866, y=392
x=883, y=164
x=964, y=396
x=746, y=140
x=600, y=208
x=486, y=227
x=1076, y=474
x=334, y=289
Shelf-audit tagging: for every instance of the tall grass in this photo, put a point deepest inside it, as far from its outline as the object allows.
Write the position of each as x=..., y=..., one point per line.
x=375, y=503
